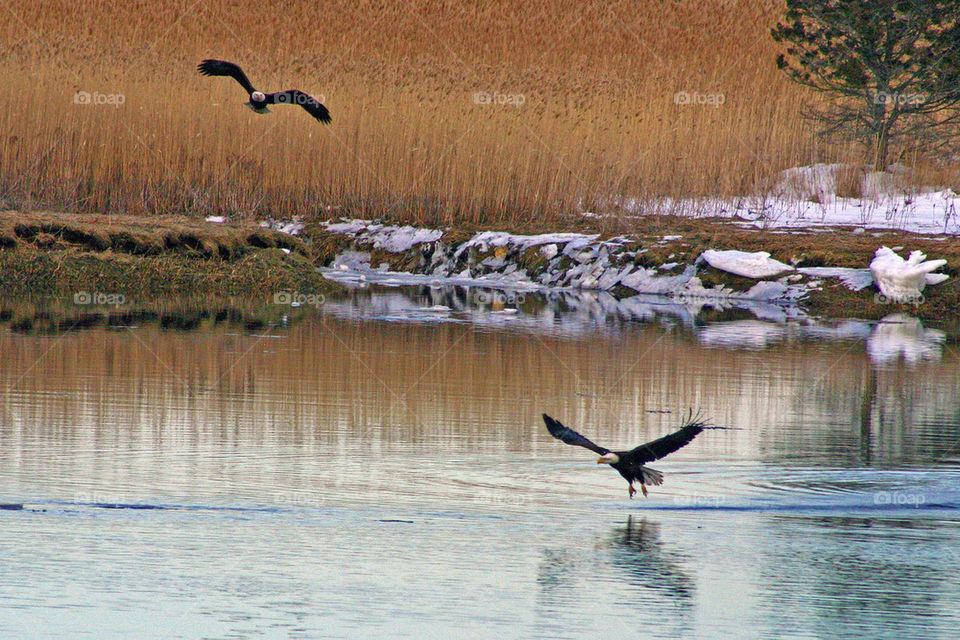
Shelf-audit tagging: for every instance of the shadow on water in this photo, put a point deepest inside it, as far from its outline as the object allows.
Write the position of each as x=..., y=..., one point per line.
x=635, y=550
x=638, y=550
x=632, y=560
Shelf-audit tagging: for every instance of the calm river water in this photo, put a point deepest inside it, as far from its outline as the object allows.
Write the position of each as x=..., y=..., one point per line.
x=377, y=468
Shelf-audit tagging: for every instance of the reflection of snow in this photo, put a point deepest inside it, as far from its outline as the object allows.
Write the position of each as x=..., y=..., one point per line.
x=757, y=334
x=901, y=335
x=903, y=280
x=582, y=314
x=742, y=334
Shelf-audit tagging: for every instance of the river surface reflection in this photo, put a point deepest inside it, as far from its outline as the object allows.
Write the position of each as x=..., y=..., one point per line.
x=377, y=467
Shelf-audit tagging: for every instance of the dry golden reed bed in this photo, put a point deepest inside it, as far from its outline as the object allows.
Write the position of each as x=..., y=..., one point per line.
x=472, y=112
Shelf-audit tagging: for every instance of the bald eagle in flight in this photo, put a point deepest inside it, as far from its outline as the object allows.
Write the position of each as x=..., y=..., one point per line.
x=630, y=463
x=258, y=99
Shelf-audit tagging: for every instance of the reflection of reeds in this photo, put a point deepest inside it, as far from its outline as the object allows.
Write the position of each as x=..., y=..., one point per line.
x=425, y=99
x=55, y=316
x=360, y=386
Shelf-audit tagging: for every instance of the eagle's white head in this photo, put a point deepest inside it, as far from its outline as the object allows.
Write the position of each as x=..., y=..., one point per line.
x=258, y=96
x=608, y=458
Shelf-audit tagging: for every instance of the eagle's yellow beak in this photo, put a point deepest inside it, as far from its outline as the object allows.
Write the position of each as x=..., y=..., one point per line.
x=600, y=460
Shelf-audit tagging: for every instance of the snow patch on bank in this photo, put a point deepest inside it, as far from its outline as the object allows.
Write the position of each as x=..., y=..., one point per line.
x=575, y=262
x=742, y=263
x=853, y=279
x=388, y=238
x=903, y=280
x=292, y=227
x=809, y=197
x=560, y=262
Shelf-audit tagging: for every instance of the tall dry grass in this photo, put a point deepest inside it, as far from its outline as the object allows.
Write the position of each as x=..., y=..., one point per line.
x=602, y=86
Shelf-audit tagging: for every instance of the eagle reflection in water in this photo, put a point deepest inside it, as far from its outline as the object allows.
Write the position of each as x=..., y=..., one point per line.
x=636, y=550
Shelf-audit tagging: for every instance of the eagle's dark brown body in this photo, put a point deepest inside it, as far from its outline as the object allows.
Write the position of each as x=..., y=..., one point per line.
x=630, y=464
x=259, y=100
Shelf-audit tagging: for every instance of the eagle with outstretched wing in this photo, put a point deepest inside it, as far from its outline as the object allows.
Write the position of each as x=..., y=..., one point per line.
x=630, y=463
x=258, y=99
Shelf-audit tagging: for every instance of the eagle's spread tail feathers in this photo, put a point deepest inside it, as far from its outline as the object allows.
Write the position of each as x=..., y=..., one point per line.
x=257, y=108
x=651, y=476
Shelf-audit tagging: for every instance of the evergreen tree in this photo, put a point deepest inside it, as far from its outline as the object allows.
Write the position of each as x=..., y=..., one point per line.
x=893, y=66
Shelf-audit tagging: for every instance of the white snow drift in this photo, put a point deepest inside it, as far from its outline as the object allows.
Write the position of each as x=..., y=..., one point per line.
x=742, y=263
x=903, y=280
x=577, y=261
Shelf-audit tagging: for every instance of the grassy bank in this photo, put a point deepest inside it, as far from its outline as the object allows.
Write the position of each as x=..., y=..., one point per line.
x=86, y=255
x=449, y=113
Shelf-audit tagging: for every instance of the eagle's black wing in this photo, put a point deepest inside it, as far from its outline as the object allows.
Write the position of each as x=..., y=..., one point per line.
x=569, y=436
x=667, y=444
x=308, y=102
x=224, y=68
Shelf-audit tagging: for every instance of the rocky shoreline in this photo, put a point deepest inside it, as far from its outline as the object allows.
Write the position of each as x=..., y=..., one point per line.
x=622, y=266
x=705, y=265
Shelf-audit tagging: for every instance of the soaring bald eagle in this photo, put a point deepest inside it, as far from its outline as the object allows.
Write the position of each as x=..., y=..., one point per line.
x=258, y=99
x=630, y=463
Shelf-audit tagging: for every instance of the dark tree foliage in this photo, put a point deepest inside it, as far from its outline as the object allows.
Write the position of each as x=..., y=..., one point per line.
x=892, y=65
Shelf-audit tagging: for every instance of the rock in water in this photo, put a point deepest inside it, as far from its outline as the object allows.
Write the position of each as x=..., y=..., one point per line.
x=902, y=280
